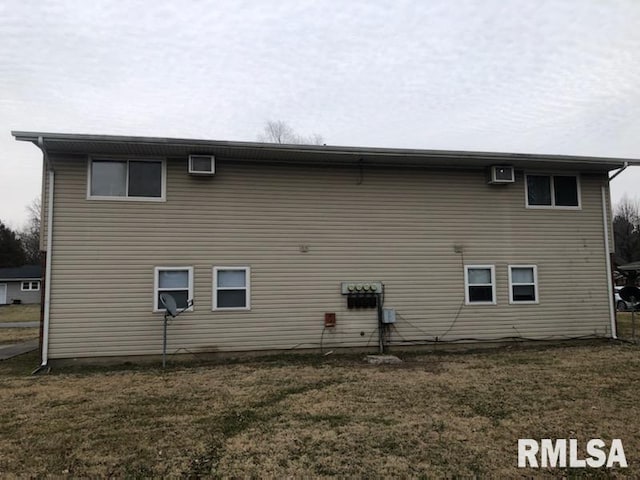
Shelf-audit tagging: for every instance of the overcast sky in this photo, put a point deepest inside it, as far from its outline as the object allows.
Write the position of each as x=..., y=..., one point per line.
x=510, y=76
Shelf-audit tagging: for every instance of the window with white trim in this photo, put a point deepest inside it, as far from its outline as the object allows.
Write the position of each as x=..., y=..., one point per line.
x=480, y=284
x=523, y=284
x=231, y=288
x=126, y=179
x=176, y=281
x=552, y=191
x=30, y=286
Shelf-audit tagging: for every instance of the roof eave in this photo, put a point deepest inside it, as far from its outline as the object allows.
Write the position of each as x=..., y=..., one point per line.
x=25, y=279
x=49, y=139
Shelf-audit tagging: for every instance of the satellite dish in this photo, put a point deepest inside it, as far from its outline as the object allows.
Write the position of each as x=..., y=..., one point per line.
x=630, y=294
x=169, y=303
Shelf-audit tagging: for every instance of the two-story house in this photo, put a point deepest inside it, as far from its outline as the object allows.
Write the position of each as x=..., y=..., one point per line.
x=274, y=242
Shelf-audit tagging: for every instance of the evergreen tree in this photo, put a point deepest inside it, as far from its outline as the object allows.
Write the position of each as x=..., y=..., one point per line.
x=11, y=251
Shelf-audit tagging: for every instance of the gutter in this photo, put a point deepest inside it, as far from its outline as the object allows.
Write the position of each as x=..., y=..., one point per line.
x=31, y=279
x=90, y=142
x=47, y=284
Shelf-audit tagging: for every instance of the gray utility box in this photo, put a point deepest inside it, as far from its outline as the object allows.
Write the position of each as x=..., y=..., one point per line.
x=388, y=315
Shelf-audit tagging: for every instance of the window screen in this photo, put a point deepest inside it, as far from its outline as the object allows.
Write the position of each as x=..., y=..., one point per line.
x=539, y=189
x=108, y=179
x=145, y=179
x=566, y=191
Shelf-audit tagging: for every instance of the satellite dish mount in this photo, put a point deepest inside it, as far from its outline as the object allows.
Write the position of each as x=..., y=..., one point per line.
x=171, y=310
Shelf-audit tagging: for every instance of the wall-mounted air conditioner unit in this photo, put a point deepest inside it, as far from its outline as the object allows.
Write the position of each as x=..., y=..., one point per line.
x=502, y=174
x=202, y=165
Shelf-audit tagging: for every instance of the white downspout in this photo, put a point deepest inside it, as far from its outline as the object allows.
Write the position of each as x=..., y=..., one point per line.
x=47, y=284
x=624, y=167
x=605, y=223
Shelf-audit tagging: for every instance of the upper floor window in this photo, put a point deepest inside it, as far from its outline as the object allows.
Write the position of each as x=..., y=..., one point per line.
x=126, y=179
x=553, y=191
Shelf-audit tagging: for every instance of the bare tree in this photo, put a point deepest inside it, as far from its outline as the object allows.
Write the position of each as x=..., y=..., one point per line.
x=277, y=131
x=30, y=234
x=626, y=229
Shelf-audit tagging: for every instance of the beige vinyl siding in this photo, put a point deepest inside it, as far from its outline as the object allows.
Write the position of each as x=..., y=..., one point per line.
x=394, y=225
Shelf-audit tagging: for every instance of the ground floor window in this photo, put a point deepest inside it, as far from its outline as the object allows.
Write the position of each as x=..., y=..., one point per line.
x=523, y=284
x=231, y=288
x=480, y=284
x=30, y=286
x=176, y=281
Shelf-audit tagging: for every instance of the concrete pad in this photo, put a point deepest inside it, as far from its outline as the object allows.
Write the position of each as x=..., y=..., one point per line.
x=13, y=350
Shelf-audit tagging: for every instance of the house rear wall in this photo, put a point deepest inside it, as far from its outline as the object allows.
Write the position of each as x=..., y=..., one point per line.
x=394, y=225
x=14, y=292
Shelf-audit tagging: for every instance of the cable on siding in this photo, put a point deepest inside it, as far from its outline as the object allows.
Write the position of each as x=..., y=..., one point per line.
x=500, y=339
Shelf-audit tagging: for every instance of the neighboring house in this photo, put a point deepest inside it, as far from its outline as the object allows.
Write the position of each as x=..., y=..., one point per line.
x=630, y=267
x=20, y=284
x=629, y=273
x=269, y=238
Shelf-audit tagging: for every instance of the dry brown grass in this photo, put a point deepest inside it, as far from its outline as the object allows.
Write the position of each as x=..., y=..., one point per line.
x=435, y=415
x=17, y=335
x=19, y=313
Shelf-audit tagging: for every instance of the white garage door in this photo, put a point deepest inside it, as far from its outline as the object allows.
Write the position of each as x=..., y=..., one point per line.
x=3, y=293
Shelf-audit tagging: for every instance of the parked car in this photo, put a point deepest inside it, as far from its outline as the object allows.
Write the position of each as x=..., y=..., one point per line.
x=622, y=305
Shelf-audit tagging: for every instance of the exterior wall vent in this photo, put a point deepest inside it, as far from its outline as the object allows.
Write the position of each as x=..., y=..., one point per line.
x=502, y=174
x=202, y=165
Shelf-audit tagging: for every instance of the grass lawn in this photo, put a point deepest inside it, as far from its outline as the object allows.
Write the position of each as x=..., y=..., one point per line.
x=16, y=335
x=434, y=415
x=20, y=313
